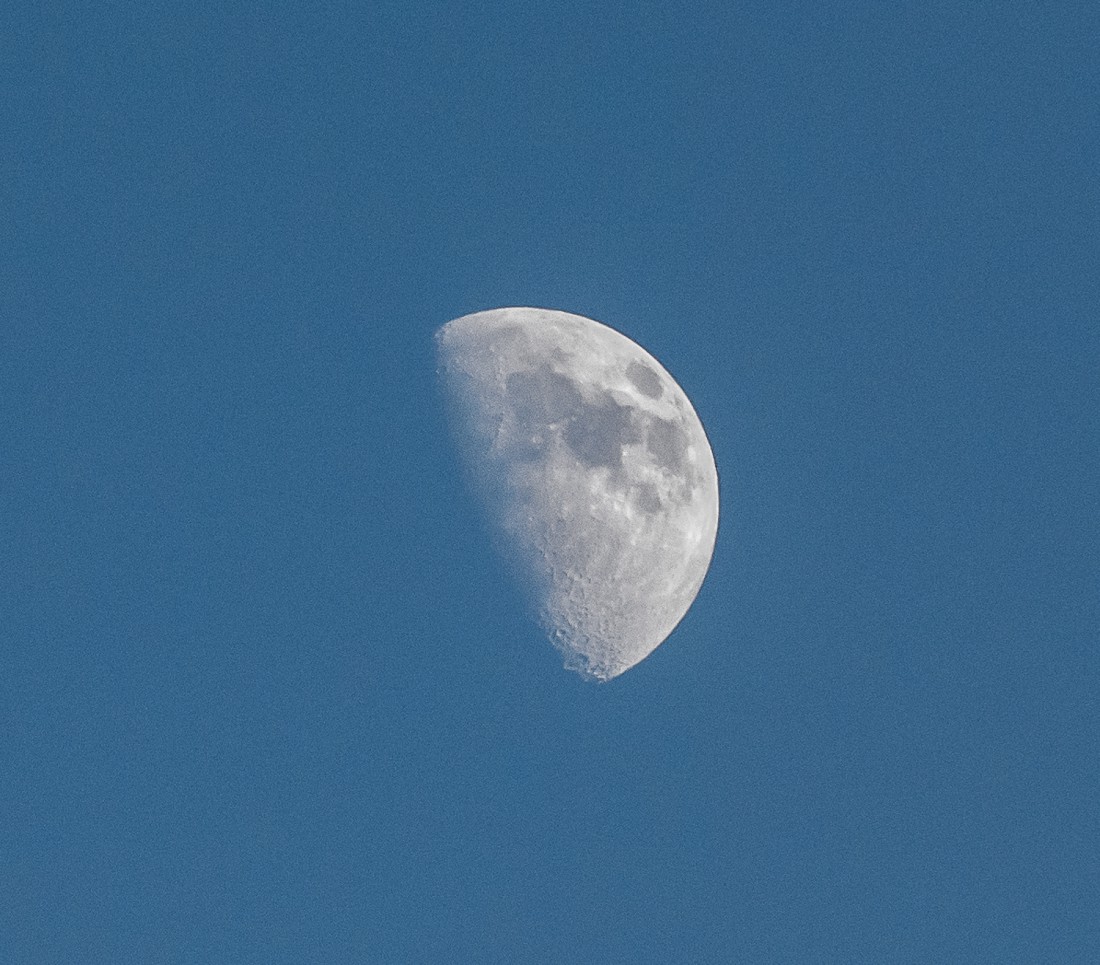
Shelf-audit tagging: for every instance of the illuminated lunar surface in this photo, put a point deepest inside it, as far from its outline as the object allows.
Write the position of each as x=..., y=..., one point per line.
x=595, y=472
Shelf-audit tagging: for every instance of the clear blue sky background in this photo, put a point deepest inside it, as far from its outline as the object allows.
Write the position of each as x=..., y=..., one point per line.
x=265, y=694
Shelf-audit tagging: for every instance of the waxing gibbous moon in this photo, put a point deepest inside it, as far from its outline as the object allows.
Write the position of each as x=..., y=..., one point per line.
x=596, y=474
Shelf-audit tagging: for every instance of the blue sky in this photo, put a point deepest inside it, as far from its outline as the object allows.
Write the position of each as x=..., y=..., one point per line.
x=265, y=694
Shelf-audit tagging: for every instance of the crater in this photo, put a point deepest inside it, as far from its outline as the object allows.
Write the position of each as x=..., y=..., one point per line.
x=645, y=379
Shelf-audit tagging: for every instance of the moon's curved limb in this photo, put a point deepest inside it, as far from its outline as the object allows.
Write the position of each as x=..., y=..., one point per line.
x=595, y=470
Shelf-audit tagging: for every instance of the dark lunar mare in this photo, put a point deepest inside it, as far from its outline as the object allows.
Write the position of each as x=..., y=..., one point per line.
x=668, y=441
x=598, y=435
x=542, y=397
x=645, y=379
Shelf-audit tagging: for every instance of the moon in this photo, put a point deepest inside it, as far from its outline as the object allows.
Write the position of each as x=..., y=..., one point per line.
x=596, y=474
